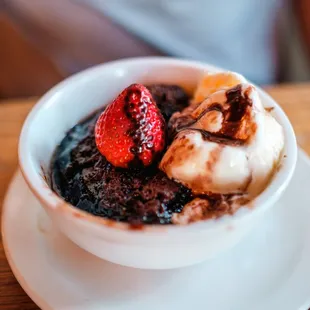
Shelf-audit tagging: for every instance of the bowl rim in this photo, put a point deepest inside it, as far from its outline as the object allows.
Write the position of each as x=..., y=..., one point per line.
x=53, y=202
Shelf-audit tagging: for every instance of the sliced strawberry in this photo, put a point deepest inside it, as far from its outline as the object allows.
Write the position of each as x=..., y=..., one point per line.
x=131, y=130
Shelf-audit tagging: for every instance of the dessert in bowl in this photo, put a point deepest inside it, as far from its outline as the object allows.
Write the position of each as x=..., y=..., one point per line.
x=189, y=192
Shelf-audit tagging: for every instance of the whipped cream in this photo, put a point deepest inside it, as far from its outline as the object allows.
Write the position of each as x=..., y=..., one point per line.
x=227, y=144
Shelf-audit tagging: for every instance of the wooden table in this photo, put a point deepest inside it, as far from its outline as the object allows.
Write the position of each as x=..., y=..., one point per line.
x=295, y=100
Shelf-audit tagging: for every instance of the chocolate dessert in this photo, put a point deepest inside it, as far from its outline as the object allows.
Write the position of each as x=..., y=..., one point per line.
x=84, y=177
x=169, y=98
x=155, y=156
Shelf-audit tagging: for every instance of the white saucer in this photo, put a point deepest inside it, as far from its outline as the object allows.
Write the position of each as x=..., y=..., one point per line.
x=269, y=270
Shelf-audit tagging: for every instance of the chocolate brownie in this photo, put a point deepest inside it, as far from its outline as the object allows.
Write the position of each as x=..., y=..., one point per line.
x=169, y=98
x=83, y=177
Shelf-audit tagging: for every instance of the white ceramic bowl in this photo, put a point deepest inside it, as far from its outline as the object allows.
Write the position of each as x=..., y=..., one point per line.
x=155, y=246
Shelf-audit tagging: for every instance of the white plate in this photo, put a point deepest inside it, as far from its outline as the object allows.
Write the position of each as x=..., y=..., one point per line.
x=269, y=270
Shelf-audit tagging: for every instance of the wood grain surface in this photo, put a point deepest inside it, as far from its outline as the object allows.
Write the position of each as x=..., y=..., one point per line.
x=295, y=100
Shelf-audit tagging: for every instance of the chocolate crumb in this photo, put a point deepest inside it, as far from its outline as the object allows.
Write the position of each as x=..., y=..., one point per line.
x=269, y=109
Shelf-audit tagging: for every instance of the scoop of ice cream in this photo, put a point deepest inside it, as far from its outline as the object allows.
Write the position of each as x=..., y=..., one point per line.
x=227, y=144
x=206, y=208
x=211, y=82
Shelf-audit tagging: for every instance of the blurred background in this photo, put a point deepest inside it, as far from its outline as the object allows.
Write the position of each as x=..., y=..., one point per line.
x=44, y=41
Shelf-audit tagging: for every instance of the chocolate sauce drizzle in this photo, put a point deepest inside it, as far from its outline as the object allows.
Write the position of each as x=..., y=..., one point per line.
x=232, y=118
x=136, y=109
x=239, y=104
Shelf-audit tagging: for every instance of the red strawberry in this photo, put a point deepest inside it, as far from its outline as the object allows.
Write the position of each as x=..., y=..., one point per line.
x=131, y=130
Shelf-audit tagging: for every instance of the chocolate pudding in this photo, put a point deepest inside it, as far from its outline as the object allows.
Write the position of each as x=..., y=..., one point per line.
x=84, y=178
x=155, y=156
